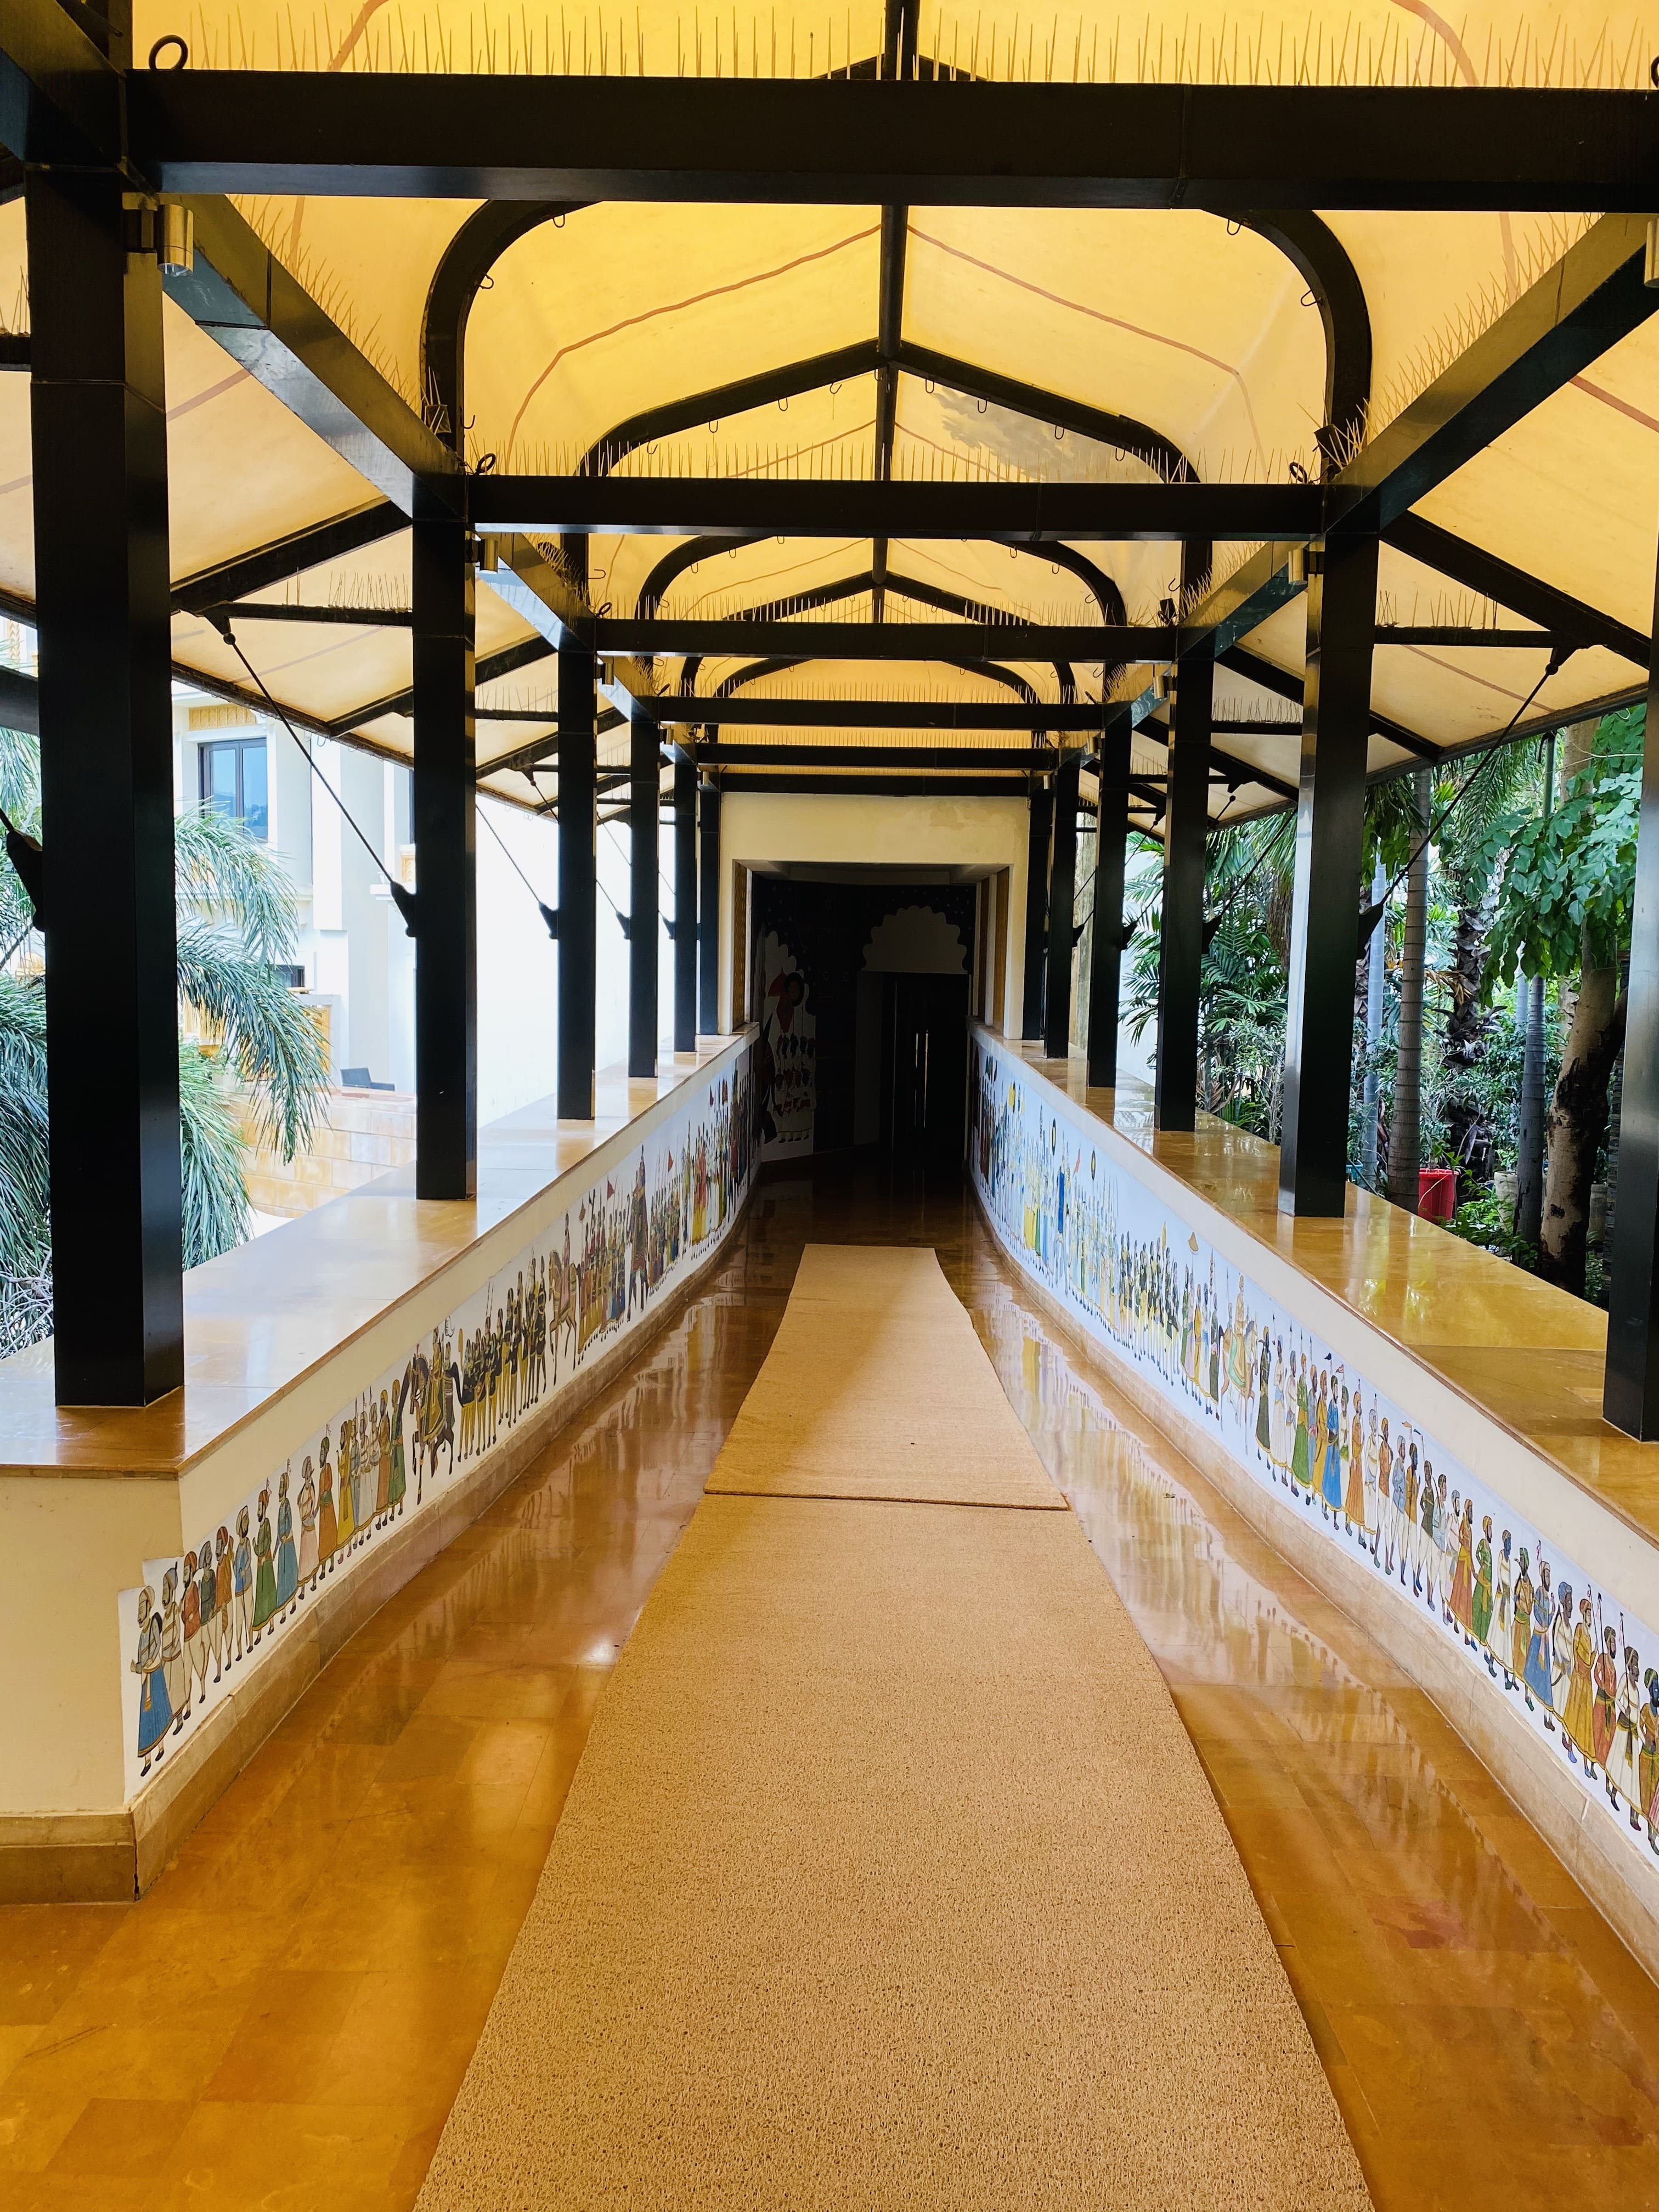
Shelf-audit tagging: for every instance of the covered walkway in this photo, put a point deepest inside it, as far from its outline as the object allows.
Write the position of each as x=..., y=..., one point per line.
x=290, y=2010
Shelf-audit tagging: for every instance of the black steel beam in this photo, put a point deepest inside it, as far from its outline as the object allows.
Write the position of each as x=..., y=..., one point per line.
x=1477, y=570
x=1106, y=945
x=60, y=99
x=644, y=826
x=887, y=641
x=465, y=263
x=505, y=663
x=243, y=298
x=1039, y=827
x=1629, y=1391
x=718, y=403
x=1463, y=635
x=813, y=507
x=708, y=909
x=1580, y=308
x=1100, y=424
x=311, y=548
x=98, y=419
x=685, y=900
x=1320, y=257
x=1015, y=759
x=445, y=832
x=1265, y=582
x=818, y=786
x=661, y=138
x=19, y=702
x=1232, y=767
x=539, y=749
x=1062, y=906
x=1180, y=949
x=1262, y=671
x=878, y=714
x=275, y=611
x=578, y=884
x=674, y=564
x=1337, y=722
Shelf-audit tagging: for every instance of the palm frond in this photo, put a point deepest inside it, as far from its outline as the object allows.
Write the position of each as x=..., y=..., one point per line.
x=20, y=777
x=24, y=1237
x=222, y=873
x=212, y=1161
x=269, y=1038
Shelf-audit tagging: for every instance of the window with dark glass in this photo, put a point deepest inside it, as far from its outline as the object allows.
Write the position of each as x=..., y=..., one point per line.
x=233, y=781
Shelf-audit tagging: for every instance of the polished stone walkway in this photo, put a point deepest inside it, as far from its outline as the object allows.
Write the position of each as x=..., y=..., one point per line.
x=283, y=2021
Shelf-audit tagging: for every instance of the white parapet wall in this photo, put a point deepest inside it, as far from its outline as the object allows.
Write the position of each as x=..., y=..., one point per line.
x=1526, y=1607
x=163, y=1621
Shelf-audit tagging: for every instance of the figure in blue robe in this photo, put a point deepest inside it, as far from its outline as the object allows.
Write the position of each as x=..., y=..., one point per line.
x=1330, y=1488
x=1539, y=1679
x=155, y=1706
x=288, y=1565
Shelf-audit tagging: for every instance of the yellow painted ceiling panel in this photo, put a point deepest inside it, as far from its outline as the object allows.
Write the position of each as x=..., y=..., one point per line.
x=624, y=307
x=242, y=470
x=1384, y=41
x=1163, y=316
x=1572, y=494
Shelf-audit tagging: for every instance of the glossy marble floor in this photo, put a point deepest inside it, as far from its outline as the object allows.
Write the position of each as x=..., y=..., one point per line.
x=282, y=2022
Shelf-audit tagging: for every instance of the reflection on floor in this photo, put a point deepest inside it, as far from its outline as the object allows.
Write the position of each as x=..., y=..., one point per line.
x=284, y=2018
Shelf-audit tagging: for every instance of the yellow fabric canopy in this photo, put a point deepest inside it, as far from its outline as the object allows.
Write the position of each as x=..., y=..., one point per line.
x=1197, y=328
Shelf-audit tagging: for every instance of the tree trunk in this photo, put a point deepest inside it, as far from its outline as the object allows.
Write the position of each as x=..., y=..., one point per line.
x=1529, y=1013
x=1405, y=1125
x=1467, y=1025
x=1375, y=959
x=1578, y=1123
x=1529, y=1154
x=1579, y=1110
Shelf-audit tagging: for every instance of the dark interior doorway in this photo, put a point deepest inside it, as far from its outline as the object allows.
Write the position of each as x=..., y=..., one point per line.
x=924, y=1067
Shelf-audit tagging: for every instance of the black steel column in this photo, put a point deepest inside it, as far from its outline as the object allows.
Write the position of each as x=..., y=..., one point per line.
x=1181, y=948
x=708, y=916
x=644, y=809
x=1062, y=905
x=578, y=883
x=1330, y=832
x=1106, y=952
x=445, y=871
x=685, y=900
x=99, y=428
x=1630, y=1390
x=1037, y=909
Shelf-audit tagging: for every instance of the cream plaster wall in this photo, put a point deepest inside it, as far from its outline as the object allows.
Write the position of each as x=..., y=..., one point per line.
x=878, y=832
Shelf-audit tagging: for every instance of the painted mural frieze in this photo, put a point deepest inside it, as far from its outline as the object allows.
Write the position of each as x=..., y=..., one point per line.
x=1557, y=1648
x=201, y=1622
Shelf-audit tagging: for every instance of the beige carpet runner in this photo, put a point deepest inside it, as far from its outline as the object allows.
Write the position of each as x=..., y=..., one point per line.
x=889, y=1877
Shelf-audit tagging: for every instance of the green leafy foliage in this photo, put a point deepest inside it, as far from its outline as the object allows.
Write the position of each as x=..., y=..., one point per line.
x=213, y=1158
x=1487, y=1221
x=236, y=922
x=269, y=1038
x=1566, y=883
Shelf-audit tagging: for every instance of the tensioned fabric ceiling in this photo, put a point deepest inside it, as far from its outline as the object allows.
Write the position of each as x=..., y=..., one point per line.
x=1185, y=321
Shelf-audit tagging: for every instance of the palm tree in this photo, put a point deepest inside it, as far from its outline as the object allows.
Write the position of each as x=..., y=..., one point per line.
x=1506, y=779
x=242, y=1030
x=1405, y=1124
